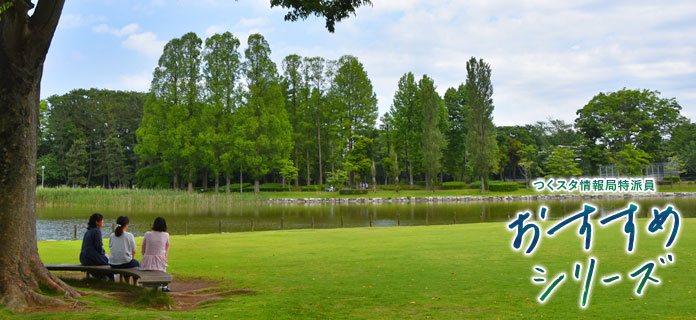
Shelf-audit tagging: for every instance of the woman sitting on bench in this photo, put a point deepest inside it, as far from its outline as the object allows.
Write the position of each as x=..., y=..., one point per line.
x=156, y=247
x=122, y=246
x=92, y=253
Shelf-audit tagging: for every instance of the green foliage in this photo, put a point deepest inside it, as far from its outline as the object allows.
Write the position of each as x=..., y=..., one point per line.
x=631, y=161
x=345, y=191
x=455, y=185
x=481, y=141
x=611, y=121
x=432, y=136
x=458, y=112
x=562, y=163
x=405, y=118
x=154, y=176
x=288, y=171
x=332, y=12
x=358, y=162
x=76, y=163
x=672, y=179
x=354, y=99
x=265, y=135
x=315, y=187
x=338, y=178
x=503, y=186
x=53, y=173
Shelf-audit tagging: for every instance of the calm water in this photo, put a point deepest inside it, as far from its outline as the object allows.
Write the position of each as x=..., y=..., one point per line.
x=59, y=223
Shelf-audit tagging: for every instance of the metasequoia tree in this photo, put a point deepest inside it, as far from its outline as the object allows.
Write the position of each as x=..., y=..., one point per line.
x=24, y=42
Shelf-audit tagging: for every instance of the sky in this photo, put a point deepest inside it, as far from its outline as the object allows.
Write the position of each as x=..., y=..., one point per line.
x=548, y=58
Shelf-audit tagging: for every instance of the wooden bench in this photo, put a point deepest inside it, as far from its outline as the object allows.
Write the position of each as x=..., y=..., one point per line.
x=146, y=278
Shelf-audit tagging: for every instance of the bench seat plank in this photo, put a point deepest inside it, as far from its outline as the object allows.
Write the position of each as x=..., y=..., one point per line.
x=150, y=277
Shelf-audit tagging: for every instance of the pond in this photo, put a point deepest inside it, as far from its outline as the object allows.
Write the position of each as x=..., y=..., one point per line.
x=69, y=223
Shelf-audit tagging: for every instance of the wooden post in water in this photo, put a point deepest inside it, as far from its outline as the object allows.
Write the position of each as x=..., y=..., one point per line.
x=75, y=233
x=341, y=221
x=455, y=218
x=398, y=220
x=220, y=225
x=282, y=223
x=252, y=224
x=312, y=222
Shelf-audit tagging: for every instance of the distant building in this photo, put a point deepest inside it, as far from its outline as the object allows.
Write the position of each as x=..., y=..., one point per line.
x=657, y=170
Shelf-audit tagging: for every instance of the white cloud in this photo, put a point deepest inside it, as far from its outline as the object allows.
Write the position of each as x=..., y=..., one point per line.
x=145, y=43
x=128, y=29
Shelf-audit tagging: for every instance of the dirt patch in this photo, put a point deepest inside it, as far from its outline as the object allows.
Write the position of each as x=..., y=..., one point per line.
x=186, y=295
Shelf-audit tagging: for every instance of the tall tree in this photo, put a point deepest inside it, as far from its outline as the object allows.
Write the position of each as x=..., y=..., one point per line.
x=221, y=72
x=356, y=99
x=432, y=138
x=481, y=140
x=294, y=87
x=407, y=117
x=317, y=107
x=24, y=42
x=265, y=137
x=562, y=163
x=640, y=118
x=458, y=113
x=176, y=87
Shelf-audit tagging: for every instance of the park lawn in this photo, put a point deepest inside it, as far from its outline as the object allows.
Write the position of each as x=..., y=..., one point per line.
x=442, y=272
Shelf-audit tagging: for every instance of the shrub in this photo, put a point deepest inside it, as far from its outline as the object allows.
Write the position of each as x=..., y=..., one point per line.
x=503, y=186
x=315, y=187
x=453, y=185
x=673, y=179
x=477, y=185
x=265, y=187
x=352, y=191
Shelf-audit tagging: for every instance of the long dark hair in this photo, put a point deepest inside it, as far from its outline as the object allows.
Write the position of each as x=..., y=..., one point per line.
x=121, y=222
x=93, y=219
x=159, y=225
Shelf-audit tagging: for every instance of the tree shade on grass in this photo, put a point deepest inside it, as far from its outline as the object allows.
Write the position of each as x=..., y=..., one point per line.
x=412, y=272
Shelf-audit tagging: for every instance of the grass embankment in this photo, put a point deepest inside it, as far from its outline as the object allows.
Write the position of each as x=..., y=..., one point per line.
x=442, y=272
x=169, y=199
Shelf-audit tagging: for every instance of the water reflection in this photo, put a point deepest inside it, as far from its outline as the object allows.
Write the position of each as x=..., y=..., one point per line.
x=59, y=223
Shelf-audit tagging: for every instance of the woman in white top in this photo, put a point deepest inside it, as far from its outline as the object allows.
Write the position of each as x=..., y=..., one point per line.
x=156, y=247
x=122, y=246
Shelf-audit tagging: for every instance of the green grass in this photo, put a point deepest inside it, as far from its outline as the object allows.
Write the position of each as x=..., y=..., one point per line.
x=168, y=199
x=441, y=272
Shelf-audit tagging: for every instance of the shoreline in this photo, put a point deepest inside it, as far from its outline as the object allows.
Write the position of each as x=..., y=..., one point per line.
x=464, y=199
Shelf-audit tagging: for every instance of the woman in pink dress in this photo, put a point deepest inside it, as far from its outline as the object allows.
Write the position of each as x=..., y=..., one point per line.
x=156, y=247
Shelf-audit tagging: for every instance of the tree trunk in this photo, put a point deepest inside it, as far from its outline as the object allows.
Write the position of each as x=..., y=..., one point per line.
x=176, y=180
x=23, y=45
x=89, y=171
x=321, y=171
x=427, y=180
x=309, y=181
x=483, y=185
x=227, y=184
x=256, y=186
x=297, y=165
x=410, y=174
x=205, y=178
x=374, y=177
x=241, y=177
x=217, y=182
x=190, y=180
